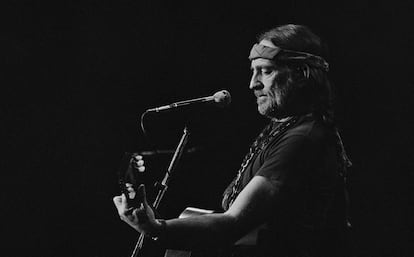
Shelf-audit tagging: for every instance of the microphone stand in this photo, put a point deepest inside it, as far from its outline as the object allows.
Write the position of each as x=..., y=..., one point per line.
x=163, y=186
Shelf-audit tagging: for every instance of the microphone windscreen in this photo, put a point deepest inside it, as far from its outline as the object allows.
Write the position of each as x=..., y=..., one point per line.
x=222, y=98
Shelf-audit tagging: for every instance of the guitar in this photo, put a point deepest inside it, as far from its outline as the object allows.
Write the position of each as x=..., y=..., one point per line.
x=249, y=239
x=128, y=179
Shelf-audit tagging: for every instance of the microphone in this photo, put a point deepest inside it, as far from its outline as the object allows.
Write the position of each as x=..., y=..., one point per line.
x=221, y=98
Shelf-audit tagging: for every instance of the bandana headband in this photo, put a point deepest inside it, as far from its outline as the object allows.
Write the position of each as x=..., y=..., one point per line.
x=277, y=53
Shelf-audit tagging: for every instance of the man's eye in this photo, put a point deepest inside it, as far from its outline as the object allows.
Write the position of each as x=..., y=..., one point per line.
x=267, y=71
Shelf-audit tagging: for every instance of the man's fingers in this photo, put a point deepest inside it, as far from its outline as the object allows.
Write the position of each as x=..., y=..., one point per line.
x=142, y=195
x=141, y=214
x=120, y=203
x=129, y=211
x=117, y=200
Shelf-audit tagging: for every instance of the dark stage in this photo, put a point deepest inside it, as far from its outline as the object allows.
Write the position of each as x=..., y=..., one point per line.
x=77, y=75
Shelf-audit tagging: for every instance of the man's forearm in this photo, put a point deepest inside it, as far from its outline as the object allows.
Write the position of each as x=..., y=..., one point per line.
x=206, y=230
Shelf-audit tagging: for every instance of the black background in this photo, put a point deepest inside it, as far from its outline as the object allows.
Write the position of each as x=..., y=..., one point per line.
x=77, y=75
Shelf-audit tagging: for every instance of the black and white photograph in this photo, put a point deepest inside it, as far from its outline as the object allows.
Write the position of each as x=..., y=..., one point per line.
x=137, y=128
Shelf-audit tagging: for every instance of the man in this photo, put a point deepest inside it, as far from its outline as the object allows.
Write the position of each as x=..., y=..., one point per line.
x=291, y=183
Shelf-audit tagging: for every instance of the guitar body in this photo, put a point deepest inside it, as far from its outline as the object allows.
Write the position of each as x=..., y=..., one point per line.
x=248, y=240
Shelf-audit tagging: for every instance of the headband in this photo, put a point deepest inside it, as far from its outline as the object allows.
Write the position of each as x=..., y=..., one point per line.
x=277, y=53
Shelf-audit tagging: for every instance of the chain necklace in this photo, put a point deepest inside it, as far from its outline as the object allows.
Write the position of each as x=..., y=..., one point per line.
x=273, y=129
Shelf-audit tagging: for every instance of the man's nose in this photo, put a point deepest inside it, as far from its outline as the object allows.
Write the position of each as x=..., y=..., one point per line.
x=255, y=82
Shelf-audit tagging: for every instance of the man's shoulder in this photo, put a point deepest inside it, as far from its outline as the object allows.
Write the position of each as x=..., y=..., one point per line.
x=310, y=128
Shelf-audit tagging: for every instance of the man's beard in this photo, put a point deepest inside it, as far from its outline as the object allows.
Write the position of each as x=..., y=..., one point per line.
x=275, y=104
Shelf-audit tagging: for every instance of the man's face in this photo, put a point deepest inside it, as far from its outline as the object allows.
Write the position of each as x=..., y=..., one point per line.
x=264, y=83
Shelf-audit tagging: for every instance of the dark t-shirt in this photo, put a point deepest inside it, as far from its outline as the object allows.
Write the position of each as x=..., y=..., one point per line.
x=303, y=165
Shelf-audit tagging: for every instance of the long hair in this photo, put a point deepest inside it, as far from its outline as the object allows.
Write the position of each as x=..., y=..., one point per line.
x=309, y=85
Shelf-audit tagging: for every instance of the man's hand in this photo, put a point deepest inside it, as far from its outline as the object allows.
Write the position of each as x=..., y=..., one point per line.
x=141, y=219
